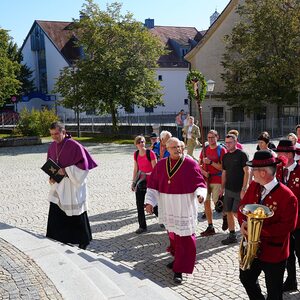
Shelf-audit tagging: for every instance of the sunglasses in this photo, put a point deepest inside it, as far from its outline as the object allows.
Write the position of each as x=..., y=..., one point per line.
x=141, y=142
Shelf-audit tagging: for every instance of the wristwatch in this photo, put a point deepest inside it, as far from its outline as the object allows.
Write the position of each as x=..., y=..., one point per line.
x=211, y=162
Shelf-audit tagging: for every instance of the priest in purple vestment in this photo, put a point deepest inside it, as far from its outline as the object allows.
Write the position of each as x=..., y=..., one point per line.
x=177, y=185
x=68, y=220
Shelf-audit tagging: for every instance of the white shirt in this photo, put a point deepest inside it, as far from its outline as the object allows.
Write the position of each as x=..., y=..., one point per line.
x=290, y=169
x=268, y=188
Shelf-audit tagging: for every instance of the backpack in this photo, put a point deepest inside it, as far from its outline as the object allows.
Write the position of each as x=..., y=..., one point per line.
x=136, y=154
x=141, y=183
x=219, y=150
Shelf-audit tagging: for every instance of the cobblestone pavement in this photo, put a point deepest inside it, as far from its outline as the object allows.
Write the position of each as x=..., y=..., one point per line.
x=21, y=278
x=113, y=218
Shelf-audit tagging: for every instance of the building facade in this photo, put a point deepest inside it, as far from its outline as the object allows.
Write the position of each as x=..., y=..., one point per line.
x=49, y=47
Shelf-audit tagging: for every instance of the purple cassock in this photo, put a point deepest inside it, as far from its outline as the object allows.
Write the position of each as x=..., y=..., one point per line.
x=174, y=185
x=186, y=180
x=69, y=152
x=68, y=220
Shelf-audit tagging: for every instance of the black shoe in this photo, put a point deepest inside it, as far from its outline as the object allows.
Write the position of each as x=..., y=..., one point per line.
x=231, y=239
x=177, y=278
x=225, y=223
x=162, y=226
x=289, y=287
x=83, y=246
x=170, y=265
x=140, y=230
x=203, y=216
x=209, y=231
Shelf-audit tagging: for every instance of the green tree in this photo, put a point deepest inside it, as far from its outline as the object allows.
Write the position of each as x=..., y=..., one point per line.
x=25, y=74
x=120, y=55
x=9, y=70
x=70, y=86
x=262, y=57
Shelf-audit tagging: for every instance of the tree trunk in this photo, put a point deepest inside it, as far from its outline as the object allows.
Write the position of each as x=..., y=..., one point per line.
x=78, y=122
x=114, y=117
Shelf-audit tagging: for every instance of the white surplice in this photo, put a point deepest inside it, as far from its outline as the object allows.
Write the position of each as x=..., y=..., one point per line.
x=71, y=193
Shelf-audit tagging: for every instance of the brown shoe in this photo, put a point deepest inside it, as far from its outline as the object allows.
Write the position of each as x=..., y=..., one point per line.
x=209, y=231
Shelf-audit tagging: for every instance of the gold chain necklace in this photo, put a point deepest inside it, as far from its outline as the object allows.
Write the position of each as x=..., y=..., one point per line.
x=172, y=171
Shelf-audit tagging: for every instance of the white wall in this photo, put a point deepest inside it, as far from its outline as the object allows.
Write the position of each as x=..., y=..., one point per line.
x=174, y=92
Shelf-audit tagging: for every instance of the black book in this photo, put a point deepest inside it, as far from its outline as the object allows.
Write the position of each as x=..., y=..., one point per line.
x=51, y=168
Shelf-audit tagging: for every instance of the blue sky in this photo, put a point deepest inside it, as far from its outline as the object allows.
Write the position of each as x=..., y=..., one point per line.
x=17, y=16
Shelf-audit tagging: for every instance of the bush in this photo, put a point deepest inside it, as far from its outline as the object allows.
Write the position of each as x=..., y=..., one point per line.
x=35, y=122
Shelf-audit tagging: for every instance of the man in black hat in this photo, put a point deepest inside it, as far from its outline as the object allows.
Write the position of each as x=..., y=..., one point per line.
x=271, y=258
x=290, y=176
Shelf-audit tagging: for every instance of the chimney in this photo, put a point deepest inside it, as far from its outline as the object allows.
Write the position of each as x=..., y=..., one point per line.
x=149, y=23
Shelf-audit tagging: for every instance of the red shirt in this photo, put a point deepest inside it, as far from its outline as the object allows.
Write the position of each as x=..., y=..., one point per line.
x=212, y=154
x=143, y=163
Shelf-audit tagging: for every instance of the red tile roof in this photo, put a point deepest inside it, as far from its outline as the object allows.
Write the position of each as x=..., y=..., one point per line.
x=63, y=37
x=181, y=35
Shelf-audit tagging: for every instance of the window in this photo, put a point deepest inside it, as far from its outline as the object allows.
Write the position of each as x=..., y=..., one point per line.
x=37, y=40
x=238, y=114
x=159, y=77
x=218, y=113
x=184, y=52
x=289, y=111
x=149, y=109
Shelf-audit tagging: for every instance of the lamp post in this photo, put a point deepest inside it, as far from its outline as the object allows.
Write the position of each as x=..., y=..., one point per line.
x=210, y=88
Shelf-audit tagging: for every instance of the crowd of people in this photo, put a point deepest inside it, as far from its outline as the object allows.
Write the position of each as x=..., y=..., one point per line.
x=224, y=171
x=169, y=181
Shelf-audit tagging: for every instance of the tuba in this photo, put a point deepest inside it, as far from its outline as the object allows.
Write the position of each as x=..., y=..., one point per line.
x=256, y=214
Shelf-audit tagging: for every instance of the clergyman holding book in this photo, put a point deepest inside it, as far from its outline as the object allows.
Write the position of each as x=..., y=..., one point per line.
x=68, y=220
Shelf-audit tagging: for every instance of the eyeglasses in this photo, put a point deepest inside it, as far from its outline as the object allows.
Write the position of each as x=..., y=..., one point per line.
x=141, y=142
x=175, y=147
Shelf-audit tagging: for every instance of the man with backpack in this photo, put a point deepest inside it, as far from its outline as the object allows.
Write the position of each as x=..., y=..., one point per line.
x=211, y=167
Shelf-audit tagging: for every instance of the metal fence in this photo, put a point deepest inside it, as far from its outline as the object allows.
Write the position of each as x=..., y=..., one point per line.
x=127, y=119
x=249, y=130
x=9, y=118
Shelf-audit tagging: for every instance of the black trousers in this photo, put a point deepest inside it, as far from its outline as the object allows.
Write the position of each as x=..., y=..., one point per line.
x=140, y=199
x=273, y=276
x=294, y=251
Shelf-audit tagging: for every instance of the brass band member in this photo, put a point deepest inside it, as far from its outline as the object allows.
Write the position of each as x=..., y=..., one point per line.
x=275, y=235
x=290, y=176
